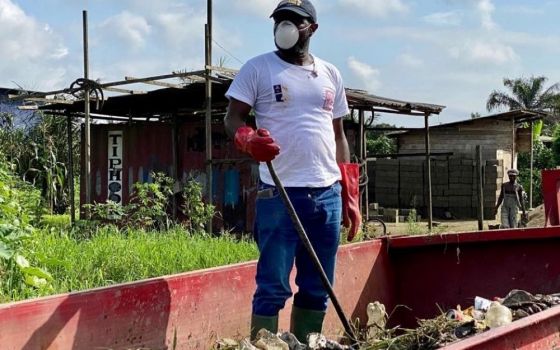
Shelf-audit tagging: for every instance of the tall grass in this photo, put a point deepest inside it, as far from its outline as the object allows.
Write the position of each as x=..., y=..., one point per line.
x=115, y=256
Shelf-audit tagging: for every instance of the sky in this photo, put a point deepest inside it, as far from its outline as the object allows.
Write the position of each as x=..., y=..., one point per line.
x=447, y=52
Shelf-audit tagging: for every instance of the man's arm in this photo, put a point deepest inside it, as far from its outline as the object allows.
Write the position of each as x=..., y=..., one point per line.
x=500, y=199
x=520, y=197
x=237, y=113
x=342, y=149
x=258, y=144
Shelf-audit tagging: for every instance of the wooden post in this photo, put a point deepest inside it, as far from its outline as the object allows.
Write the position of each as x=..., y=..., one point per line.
x=479, y=174
x=513, y=143
x=175, y=160
x=208, y=119
x=361, y=147
x=71, y=171
x=87, y=148
x=531, y=167
x=428, y=168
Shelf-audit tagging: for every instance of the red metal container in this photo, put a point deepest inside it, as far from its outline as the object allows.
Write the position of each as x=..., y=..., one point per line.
x=194, y=309
x=551, y=196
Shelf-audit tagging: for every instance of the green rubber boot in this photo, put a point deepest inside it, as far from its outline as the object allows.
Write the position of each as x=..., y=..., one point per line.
x=304, y=321
x=258, y=322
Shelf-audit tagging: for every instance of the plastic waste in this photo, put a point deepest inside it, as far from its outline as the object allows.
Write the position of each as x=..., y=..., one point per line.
x=481, y=303
x=455, y=314
x=498, y=315
x=318, y=341
x=292, y=341
x=269, y=341
x=377, y=319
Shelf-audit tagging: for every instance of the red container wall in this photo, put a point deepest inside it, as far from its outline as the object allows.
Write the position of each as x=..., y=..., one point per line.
x=198, y=307
x=551, y=196
x=453, y=269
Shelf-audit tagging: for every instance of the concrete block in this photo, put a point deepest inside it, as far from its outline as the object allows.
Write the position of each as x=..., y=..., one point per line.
x=390, y=212
x=460, y=201
x=454, y=162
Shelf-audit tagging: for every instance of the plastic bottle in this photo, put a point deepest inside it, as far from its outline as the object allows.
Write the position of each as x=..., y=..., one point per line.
x=497, y=315
x=377, y=318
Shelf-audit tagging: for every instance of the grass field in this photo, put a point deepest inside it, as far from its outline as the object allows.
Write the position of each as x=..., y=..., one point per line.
x=112, y=256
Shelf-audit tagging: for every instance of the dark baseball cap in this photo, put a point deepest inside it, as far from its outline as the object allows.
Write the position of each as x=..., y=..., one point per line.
x=303, y=8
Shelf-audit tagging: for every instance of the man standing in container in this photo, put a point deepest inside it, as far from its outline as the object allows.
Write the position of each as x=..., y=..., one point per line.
x=299, y=101
x=512, y=197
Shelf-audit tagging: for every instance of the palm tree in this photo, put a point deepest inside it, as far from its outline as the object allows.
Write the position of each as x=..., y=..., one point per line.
x=526, y=93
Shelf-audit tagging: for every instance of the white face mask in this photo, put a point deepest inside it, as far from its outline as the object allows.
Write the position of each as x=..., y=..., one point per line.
x=286, y=35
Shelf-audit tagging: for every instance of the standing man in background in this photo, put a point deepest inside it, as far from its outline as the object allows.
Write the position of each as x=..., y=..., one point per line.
x=299, y=101
x=512, y=197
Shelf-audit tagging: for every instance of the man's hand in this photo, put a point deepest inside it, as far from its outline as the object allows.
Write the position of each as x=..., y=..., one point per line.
x=258, y=144
x=351, y=215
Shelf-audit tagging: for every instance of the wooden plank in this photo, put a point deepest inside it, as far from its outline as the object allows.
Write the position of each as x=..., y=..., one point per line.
x=124, y=91
x=49, y=100
x=157, y=83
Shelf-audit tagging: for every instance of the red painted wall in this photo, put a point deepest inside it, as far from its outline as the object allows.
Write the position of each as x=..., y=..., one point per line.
x=147, y=147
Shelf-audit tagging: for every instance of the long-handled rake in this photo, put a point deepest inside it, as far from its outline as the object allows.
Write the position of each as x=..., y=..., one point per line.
x=305, y=240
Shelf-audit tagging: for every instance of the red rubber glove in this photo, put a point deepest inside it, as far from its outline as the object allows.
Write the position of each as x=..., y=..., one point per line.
x=351, y=215
x=258, y=144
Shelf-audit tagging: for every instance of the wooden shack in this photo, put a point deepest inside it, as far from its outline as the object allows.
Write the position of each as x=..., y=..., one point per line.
x=400, y=182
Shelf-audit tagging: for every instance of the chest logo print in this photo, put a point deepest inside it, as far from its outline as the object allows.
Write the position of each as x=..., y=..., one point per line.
x=278, y=93
x=328, y=103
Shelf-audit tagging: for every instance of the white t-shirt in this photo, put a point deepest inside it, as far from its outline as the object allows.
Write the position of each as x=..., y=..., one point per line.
x=297, y=104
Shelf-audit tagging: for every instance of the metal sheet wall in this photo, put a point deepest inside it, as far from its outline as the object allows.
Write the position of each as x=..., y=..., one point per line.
x=147, y=147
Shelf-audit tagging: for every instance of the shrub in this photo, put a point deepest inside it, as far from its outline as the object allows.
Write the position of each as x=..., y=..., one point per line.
x=19, y=204
x=149, y=207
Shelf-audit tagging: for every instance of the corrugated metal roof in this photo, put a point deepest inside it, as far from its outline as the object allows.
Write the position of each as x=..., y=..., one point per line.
x=360, y=99
x=191, y=99
x=519, y=116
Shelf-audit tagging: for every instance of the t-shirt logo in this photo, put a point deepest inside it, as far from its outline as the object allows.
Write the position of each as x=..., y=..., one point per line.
x=278, y=93
x=328, y=104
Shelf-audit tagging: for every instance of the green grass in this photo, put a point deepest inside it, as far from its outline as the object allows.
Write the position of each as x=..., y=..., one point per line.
x=57, y=221
x=112, y=256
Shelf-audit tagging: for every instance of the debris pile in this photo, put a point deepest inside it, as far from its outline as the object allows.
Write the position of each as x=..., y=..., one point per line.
x=449, y=327
x=266, y=340
x=455, y=324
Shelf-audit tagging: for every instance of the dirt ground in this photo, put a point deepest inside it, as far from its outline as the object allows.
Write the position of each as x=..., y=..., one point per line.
x=536, y=219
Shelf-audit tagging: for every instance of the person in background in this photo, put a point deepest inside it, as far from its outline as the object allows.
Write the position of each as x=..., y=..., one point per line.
x=511, y=195
x=299, y=102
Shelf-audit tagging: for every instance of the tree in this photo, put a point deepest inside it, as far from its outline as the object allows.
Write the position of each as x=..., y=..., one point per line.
x=378, y=142
x=530, y=94
x=526, y=93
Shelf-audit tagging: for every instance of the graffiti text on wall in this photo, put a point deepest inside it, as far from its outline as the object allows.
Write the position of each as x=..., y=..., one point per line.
x=115, y=166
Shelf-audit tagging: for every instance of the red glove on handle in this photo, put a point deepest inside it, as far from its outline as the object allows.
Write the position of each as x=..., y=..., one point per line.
x=351, y=215
x=258, y=144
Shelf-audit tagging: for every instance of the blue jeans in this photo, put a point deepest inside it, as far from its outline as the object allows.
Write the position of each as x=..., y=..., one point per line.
x=320, y=211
